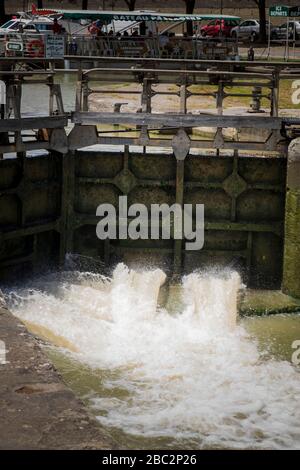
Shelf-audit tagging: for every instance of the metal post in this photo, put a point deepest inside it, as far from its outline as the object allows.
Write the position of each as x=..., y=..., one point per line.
x=146, y=96
x=269, y=40
x=179, y=200
x=69, y=242
x=146, y=104
x=275, y=94
x=183, y=98
x=220, y=97
x=85, y=97
x=65, y=195
x=78, y=102
x=287, y=40
x=51, y=96
x=17, y=100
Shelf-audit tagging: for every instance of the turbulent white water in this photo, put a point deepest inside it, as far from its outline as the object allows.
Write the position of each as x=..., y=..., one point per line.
x=192, y=376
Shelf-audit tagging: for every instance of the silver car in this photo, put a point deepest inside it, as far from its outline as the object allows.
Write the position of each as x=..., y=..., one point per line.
x=248, y=30
x=281, y=31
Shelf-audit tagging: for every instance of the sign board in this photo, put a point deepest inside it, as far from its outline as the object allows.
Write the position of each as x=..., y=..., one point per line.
x=295, y=12
x=14, y=46
x=55, y=46
x=279, y=10
x=132, y=48
x=284, y=11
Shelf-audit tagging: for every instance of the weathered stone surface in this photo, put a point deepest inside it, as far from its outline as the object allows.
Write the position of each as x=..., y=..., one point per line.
x=181, y=144
x=293, y=173
x=37, y=411
x=291, y=269
x=59, y=140
x=125, y=181
x=266, y=302
x=82, y=136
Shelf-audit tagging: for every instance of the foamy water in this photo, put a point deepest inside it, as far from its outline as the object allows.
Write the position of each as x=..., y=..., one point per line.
x=194, y=375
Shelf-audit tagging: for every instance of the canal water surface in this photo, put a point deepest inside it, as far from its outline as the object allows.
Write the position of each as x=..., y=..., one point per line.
x=169, y=367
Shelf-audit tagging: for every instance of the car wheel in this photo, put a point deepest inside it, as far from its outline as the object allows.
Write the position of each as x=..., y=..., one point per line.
x=234, y=35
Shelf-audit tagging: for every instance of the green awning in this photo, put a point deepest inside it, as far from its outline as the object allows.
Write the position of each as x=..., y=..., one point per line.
x=108, y=16
x=284, y=11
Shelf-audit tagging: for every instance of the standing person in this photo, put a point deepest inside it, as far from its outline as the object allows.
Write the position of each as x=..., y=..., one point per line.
x=94, y=29
x=56, y=27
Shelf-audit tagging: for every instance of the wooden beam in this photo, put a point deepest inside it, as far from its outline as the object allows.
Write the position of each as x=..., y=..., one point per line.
x=149, y=60
x=177, y=120
x=174, y=72
x=43, y=122
x=31, y=230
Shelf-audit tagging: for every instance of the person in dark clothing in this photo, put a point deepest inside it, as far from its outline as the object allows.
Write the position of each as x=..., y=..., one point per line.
x=56, y=27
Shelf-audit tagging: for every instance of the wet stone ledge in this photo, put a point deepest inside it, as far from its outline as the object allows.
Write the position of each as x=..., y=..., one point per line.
x=37, y=410
x=267, y=302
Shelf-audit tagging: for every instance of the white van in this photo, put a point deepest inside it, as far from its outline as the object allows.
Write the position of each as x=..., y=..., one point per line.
x=37, y=25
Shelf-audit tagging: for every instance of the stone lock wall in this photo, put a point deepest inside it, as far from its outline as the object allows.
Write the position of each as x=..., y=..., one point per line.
x=291, y=274
x=30, y=214
x=48, y=208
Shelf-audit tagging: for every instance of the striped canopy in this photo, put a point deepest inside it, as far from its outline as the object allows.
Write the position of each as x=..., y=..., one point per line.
x=108, y=16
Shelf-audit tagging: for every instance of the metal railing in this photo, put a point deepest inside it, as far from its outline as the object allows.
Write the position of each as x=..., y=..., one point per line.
x=32, y=45
x=155, y=47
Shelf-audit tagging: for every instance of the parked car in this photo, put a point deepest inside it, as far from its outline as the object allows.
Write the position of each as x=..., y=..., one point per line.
x=219, y=27
x=39, y=25
x=248, y=30
x=281, y=31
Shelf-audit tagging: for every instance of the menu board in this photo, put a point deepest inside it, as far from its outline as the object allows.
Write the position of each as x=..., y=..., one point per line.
x=55, y=46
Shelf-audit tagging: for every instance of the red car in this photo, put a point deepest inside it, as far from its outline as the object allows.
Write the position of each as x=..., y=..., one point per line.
x=217, y=28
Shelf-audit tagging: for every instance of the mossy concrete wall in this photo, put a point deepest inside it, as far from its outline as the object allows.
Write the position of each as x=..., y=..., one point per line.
x=291, y=273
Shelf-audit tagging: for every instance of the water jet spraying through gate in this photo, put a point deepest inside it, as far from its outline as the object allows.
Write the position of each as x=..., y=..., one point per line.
x=192, y=376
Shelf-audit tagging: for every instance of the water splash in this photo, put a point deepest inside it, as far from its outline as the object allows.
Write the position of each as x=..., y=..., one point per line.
x=192, y=376
x=213, y=299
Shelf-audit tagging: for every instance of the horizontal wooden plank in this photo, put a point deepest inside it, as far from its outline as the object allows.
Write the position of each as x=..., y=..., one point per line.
x=192, y=62
x=31, y=230
x=134, y=71
x=177, y=120
x=26, y=73
x=17, y=261
x=272, y=227
x=201, y=144
x=167, y=143
x=43, y=122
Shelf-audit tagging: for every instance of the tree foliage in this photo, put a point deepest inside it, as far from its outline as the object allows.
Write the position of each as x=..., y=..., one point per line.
x=130, y=4
x=2, y=11
x=189, y=9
